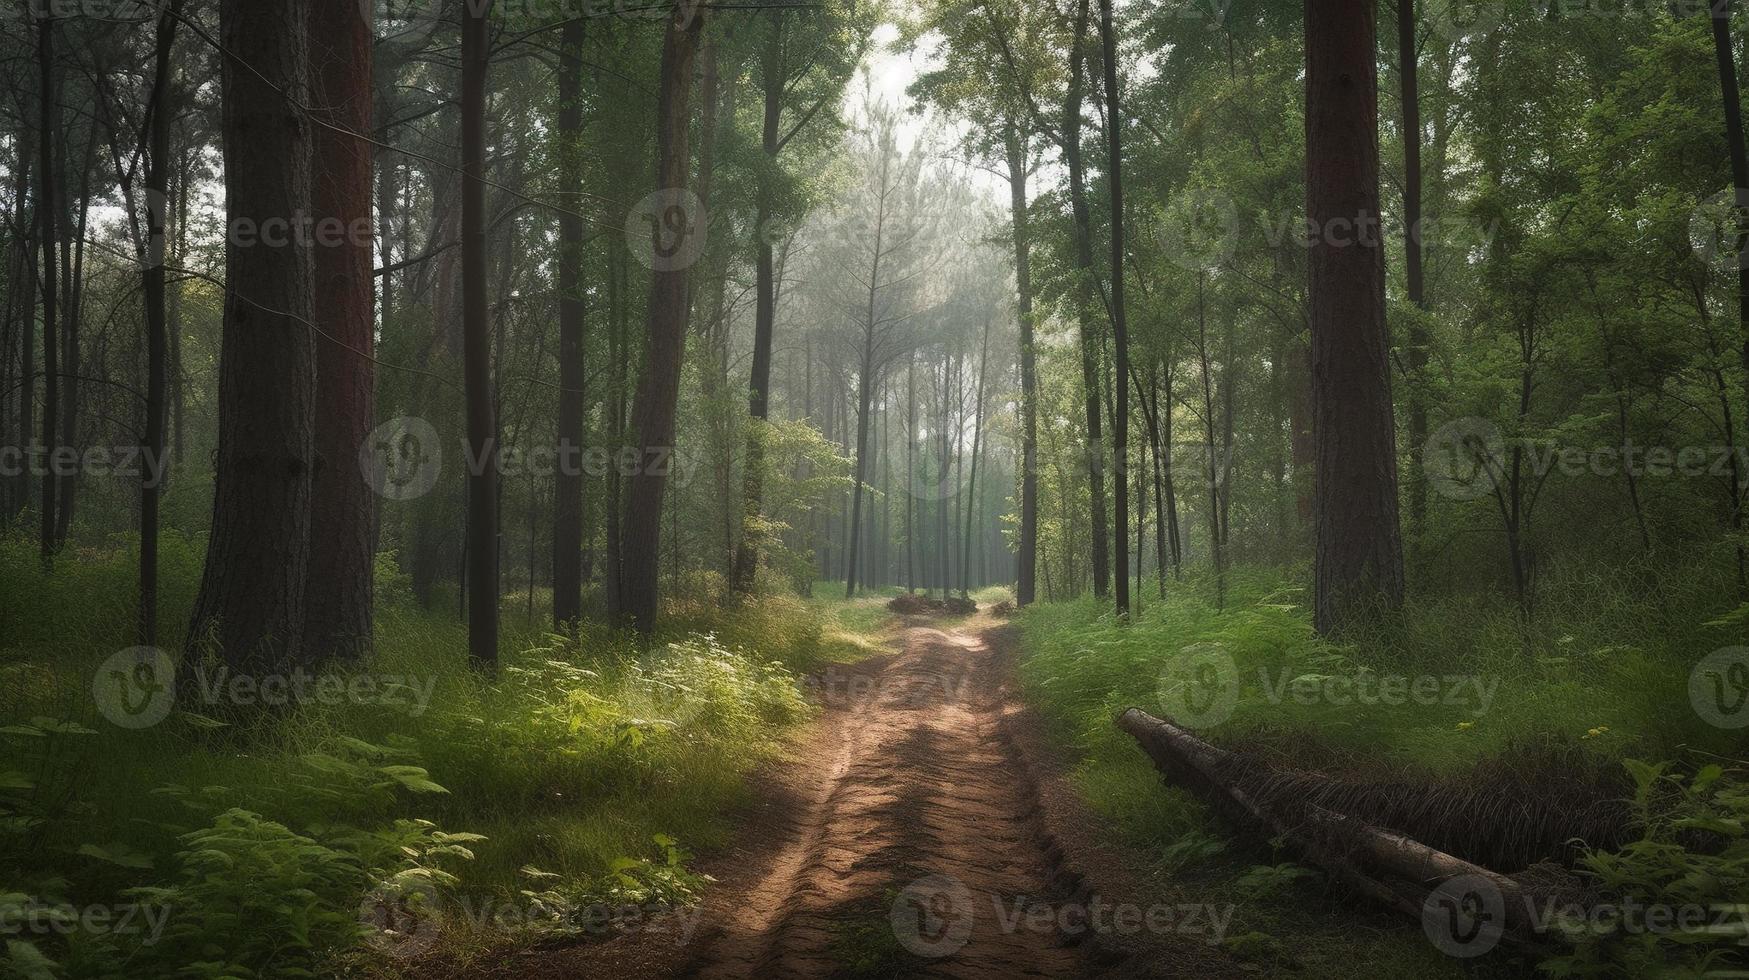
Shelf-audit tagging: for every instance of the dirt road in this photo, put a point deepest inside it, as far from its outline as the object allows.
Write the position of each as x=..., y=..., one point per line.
x=912, y=834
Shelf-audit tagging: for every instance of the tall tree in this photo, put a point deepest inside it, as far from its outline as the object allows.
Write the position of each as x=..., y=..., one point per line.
x=251, y=603
x=654, y=407
x=1084, y=292
x=1733, y=110
x=157, y=319
x=339, y=596
x=568, y=480
x=483, y=478
x=1414, y=271
x=1026, y=588
x=1359, y=558
x=50, y=95
x=1120, y=435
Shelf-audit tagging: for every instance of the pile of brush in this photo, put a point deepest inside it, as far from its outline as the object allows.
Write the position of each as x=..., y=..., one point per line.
x=913, y=604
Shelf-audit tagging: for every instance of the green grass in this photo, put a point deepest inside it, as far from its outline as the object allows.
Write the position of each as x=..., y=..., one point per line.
x=1599, y=671
x=583, y=758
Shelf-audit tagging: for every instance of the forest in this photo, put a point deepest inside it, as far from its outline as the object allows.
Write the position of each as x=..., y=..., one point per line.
x=874, y=489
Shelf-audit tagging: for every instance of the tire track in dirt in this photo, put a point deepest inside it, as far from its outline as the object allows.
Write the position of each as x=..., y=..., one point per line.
x=924, y=831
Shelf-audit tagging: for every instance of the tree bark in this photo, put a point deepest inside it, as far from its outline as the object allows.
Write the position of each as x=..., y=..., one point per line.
x=1026, y=588
x=1084, y=273
x=251, y=603
x=482, y=547
x=340, y=595
x=47, y=220
x=568, y=479
x=654, y=408
x=772, y=73
x=1733, y=110
x=157, y=322
x=1120, y=436
x=1359, y=555
x=1408, y=69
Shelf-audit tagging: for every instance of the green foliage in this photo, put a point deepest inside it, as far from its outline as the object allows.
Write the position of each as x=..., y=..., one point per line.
x=281, y=847
x=1691, y=862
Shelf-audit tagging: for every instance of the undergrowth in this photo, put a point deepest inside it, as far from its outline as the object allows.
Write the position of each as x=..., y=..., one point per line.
x=1599, y=675
x=377, y=827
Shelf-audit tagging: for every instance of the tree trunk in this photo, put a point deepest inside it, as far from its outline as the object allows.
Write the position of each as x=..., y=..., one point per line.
x=340, y=594
x=864, y=388
x=1084, y=298
x=568, y=479
x=764, y=315
x=251, y=604
x=1026, y=589
x=977, y=445
x=482, y=546
x=654, y=408
x=1408, y=68
x=1733, y=106
x=46, y=220
x=1120, y=435
x=157, y=326
x=27, y=335
x=1359, y=557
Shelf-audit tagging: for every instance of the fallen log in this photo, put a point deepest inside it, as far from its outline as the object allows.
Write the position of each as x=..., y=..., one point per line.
x=1388, y=867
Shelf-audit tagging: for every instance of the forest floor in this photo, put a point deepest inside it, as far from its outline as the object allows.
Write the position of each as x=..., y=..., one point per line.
x=920, y=827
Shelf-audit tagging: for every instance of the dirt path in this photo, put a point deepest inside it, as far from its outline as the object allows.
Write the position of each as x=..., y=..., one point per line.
x=924, y=826
x=911, y=835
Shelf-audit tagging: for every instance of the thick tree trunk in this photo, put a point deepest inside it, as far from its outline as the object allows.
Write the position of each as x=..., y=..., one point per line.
x=340, y=593
x=568, y=479
x=157, y=326
x=482, y=546
x=1359, y=557
x=251, y=604
x=654, y=408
